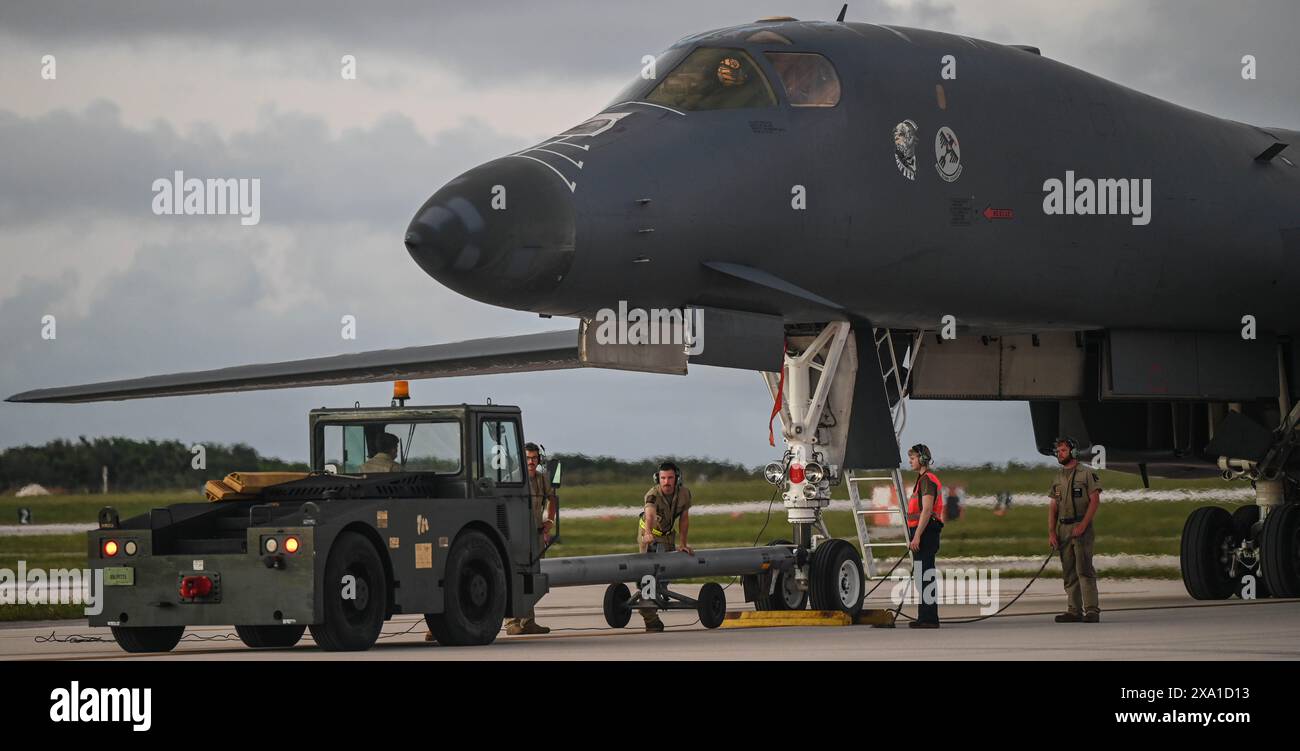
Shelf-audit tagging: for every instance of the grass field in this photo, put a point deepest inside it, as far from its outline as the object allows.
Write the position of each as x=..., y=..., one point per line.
x=1139, y=528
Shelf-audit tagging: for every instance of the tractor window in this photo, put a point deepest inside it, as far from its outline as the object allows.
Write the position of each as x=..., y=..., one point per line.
x=500, y=456
x=809, y=79
x=714, y=78
x=361, y=448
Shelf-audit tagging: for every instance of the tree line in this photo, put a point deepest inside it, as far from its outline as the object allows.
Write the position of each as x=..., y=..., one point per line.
x=580, y=469
x=133, y=465
x=144, y=465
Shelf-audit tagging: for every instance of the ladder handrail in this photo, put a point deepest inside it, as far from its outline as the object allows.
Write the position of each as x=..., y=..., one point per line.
x=861, y=511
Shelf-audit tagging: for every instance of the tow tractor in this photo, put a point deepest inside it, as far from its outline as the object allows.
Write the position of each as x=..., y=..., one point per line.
x=443, y=529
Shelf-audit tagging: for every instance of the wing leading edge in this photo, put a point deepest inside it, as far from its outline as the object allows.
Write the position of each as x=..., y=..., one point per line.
x=552, y=350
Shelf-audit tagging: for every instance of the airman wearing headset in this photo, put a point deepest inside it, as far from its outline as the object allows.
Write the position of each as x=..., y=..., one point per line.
x=665, y=504
x=1072, y=505
x=924, y=523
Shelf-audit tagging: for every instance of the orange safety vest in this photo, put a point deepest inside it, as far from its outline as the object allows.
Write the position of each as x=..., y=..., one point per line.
x=914, y=503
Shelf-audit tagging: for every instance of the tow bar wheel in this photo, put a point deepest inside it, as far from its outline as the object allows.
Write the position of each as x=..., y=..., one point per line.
x=711, y=605
x=617, y=612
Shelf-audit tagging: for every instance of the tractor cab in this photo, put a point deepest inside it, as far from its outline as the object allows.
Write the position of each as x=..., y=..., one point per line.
x=466, y=450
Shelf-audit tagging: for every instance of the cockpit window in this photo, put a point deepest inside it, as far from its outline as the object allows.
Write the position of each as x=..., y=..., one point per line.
x=651, y=71
x=809, y=79
x=713, y=78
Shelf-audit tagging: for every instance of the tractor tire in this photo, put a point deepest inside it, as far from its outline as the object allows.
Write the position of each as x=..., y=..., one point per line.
x=141, y=639
x=270, y=637
x=474, y=603
x=355, y=596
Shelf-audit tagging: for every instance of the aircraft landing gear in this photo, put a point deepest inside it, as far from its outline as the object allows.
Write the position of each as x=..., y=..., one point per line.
x=1252, y=552
x=1280, y=543
x=836, y=580
x=1207, y=554
x=813, y=393
x=778, y=590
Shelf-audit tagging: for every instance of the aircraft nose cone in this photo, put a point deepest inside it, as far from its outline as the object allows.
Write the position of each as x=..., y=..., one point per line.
x=502, y=233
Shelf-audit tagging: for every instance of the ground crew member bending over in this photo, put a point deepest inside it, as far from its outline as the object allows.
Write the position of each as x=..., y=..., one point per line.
x=924, y=523
x=544, y=504
x=1072, y=504
x=665, y=504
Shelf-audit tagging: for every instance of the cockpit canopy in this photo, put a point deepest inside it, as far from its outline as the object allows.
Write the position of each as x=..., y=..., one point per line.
x=716, y=78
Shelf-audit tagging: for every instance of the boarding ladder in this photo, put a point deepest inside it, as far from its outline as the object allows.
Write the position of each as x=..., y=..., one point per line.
x=897, y=378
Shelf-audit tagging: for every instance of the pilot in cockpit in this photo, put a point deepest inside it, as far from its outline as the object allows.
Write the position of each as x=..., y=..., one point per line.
x=731, y=73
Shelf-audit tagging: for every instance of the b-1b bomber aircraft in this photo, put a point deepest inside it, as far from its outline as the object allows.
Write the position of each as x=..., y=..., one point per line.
x=868, y=214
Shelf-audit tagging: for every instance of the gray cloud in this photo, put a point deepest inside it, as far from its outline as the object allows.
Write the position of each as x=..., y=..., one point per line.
x=62, y=162
x=482, y=41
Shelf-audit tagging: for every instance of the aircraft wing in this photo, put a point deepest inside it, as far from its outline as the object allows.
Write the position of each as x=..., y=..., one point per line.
x=552, y=350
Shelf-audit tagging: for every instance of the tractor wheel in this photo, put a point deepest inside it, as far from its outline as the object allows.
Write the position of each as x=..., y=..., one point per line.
x=474, y=603
x=355, y=596
x=148, y=638
x=270, y=637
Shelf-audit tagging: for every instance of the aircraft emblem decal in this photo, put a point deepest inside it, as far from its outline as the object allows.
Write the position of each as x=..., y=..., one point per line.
x=905, y=137
x=947, y=154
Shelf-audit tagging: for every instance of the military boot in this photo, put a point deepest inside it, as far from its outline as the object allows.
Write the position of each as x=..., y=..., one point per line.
x=1068, y=617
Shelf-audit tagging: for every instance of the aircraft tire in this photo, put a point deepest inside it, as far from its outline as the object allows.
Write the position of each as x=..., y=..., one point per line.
x=1280, y=550
x=836, y=578
x=1205, y=554
x=785, y=595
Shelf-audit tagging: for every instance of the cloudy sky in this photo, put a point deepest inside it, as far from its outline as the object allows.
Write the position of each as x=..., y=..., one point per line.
x=252, y=89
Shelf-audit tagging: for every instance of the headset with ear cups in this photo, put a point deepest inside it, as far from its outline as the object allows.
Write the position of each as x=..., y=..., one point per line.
x=922, y=452
x=541, y=455
x=665, y=466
